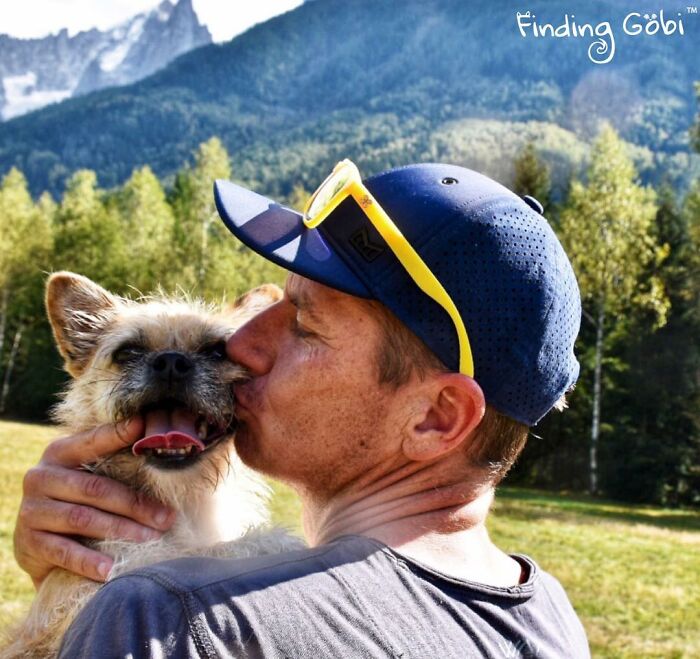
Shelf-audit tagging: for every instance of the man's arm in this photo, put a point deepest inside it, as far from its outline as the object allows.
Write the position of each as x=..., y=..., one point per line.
x=60, y=500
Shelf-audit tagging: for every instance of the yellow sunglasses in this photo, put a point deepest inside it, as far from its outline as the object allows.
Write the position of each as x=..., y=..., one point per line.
x=345, y=181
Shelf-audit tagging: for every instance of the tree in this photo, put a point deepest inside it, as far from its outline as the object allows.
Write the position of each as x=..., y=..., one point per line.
x=607, y=230
x=16, y=210
x=212, y=263
x=691, y=214
x=147, y=223
x=88, y=236
x=196, y=220
x=25, y=245
x=532, y=176
x=695, y=130
x=298, y=198
x=655, y=399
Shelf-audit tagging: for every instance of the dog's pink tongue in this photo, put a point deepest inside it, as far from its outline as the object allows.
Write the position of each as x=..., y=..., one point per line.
x=169, y=429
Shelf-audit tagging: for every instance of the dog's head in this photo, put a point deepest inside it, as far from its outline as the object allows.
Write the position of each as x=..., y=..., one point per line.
x=160, y=358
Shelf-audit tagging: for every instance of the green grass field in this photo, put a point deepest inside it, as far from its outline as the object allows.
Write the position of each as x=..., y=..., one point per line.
x=632, y=572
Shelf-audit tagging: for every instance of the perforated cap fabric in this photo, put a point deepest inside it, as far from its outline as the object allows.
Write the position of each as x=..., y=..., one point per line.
x=496, y=256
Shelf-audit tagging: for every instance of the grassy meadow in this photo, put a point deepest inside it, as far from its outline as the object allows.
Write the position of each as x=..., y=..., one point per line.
x=632, y=572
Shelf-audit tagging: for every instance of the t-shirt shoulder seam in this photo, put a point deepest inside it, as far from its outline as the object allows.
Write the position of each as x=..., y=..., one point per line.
x=241, y=575
x=203, y=643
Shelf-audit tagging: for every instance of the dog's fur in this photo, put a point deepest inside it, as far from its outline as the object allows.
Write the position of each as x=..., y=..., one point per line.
x=109, y=345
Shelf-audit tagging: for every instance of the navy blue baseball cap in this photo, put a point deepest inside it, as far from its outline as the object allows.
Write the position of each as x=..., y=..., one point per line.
x=493, y=251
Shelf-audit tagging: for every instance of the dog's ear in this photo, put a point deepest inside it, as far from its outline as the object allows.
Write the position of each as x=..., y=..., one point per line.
x=79, y=310
x=257, y=299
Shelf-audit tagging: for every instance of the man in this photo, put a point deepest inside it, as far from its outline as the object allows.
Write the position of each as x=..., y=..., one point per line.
x=430, y=320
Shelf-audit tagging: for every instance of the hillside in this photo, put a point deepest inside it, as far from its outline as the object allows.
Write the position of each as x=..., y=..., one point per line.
x=395, y=87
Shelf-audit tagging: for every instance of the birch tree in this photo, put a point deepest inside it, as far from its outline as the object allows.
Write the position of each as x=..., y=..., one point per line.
x=25, y=245
x=212, y=262
x=607, y=228
x=88, y=237
x=147, y=224
x=197, y=223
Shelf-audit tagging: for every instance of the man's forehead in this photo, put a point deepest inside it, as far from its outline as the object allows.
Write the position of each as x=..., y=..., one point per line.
x=320, y=300
x=309, y=293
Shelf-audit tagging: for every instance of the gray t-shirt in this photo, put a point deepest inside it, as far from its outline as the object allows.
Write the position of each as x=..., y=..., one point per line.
x=353, y=598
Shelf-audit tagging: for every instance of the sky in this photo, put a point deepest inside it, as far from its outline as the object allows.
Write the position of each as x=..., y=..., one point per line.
x=37, y=18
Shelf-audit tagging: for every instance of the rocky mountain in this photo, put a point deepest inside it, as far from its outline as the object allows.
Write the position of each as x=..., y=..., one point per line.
x=384, y=82
x=37, y=72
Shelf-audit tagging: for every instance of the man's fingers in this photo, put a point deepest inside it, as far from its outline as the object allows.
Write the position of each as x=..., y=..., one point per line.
x=60, y=499
x=75, y=519
x=59, y=551
x=94, y=444
x=55, y=485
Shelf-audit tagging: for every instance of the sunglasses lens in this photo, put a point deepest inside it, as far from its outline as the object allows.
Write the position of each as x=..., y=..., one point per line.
x=328, y=189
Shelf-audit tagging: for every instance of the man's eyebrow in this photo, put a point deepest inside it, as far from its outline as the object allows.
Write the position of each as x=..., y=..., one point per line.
x=304, y=303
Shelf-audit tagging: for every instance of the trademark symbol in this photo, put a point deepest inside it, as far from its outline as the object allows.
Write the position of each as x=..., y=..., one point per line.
x=691, y=10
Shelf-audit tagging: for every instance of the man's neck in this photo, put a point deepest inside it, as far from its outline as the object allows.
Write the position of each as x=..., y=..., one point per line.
x=441, y=526
x=397, y=506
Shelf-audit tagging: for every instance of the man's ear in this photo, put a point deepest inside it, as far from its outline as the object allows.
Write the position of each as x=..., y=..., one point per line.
x=79, y=311
x=452, y=407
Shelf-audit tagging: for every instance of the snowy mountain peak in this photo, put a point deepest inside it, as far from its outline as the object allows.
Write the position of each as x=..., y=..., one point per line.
x=164, y=10
x=36, y=72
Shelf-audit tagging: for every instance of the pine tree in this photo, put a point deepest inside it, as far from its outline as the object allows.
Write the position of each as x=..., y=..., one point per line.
x=532, y=176
x=655, y=400
x=691, y=214
x=607, y=230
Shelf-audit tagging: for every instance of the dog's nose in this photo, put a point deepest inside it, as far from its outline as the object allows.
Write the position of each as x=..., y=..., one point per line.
x=171, y=366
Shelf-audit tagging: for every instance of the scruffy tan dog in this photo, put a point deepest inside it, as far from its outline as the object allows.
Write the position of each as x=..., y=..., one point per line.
x=165, y=360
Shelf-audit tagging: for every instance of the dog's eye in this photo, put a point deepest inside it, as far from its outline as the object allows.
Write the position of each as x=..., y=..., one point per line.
x=127, y=353
x=214, y=350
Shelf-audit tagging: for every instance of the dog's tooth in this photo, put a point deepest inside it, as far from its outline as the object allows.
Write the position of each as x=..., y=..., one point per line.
x=183, y=451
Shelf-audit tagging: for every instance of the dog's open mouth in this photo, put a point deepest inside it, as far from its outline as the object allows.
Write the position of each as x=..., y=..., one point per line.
x=175, y=436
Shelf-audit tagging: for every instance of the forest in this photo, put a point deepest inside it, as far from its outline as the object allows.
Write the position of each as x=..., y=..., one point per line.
x=632, y=430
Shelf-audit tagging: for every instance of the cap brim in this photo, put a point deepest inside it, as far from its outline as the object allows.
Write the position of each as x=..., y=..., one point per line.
x=279, y=234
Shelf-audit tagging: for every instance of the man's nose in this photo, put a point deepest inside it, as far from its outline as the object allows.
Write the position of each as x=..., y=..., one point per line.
x=254, y=345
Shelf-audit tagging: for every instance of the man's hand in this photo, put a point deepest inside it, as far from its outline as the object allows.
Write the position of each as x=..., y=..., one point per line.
x=61, y=500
